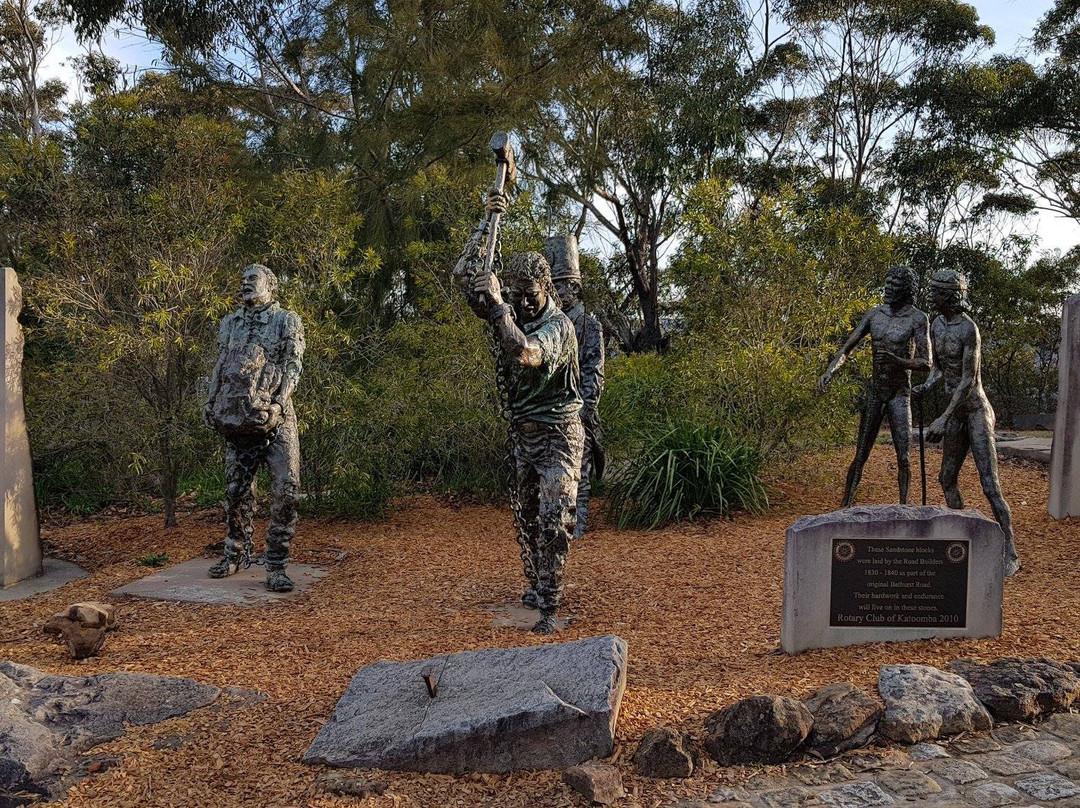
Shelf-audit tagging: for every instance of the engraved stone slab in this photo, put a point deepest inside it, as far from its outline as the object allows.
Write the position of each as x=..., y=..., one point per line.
x=496, y=710
x=20, y=550
x=891, y=573
x=188, y=583
x=1065, y=451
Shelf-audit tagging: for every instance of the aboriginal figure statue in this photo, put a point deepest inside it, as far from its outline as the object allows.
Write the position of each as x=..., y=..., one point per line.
x=968, y=421
x=536, y=356
x=260, y=354
x=561, y=253
x=900, y=338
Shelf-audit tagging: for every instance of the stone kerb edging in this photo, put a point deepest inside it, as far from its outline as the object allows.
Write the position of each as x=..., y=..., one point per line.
x=919, y=703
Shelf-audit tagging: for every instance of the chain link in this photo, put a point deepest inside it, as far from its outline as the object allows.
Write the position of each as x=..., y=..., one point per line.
x=502, y=383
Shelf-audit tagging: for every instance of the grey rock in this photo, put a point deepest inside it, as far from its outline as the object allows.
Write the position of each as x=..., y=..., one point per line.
x=855, y=795
x=1021, y=689
x=879, y=761
x=908, y=783
x=822, y=775
x=730, y=794
x=46, y=721
x=923, y=703
x=1048, y=786
x=770, y=782
x=974, y=746
x=599, y=783
x=956, y=771
x=760, y=729
x=992, y=795
x=1064, y=726
x=786, y=797
x=1069, y=767
x=1014, y=733
x=498, y=710
x=927, y=751
x=844, y=718
x=664, y=752
x=1045, y=752
x=1007, y=764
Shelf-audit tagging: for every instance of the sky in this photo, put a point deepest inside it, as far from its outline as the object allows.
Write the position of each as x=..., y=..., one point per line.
x=1012, y=21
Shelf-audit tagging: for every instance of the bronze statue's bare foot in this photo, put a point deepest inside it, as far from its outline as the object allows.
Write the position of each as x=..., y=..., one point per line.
x=278, y=581
x=1012, y=565
x=224, y=568
x=545, y=625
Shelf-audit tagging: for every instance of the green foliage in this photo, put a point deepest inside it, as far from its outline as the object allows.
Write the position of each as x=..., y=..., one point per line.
x=153, y=560
x=689, y=470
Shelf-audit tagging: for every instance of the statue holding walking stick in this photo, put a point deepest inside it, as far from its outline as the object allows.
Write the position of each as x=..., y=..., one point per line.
x=536, y=357
x=968, y=421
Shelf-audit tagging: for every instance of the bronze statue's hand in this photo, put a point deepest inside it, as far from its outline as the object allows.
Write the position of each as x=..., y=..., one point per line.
x=497, y=202
x=823, y=382
x=487, y=284
x=883, y=353
x=936, y=431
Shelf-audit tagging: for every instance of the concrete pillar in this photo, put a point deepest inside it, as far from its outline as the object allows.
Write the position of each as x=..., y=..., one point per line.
x=1065, y=451
x=20, y=551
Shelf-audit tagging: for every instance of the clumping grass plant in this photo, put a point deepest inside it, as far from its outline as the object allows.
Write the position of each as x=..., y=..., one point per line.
x=689, y=470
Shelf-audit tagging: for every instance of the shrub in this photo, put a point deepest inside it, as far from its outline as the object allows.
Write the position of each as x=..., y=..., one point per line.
x=690, y=470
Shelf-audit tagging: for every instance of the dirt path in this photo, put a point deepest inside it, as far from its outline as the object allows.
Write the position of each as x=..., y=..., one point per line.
x=699, y=605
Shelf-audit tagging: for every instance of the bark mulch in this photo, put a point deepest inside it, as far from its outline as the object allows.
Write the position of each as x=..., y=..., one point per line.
x=698, y=603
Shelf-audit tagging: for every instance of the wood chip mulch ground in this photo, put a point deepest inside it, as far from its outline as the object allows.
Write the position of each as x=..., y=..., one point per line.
x=698, y=603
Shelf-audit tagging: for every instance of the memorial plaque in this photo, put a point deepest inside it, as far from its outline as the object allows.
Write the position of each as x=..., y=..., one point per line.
x=891, y=573
x=899, y=582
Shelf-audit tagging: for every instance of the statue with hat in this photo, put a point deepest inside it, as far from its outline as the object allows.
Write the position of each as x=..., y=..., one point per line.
x=968, y=421
x=260, y=357
x=561, y=253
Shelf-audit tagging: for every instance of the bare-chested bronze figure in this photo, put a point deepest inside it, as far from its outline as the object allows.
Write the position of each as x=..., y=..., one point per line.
x=968, y=421
x=900, y=336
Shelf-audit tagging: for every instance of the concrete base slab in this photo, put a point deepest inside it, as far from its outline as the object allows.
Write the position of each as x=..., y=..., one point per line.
x=1026, y=448
x=188, y=583
x=514, y=615
x=54, y=574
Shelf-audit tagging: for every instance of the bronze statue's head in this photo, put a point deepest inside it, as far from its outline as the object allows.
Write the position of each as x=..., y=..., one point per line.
x=949, y=291
x=900, y=285
x=561, y=253
x=258, y=285
x=529, y=285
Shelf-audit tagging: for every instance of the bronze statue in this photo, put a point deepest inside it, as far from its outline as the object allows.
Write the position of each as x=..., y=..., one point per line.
x=537, y=372
x=900, y=337
x=561, y=253
x=260, y=353
x=968, y=420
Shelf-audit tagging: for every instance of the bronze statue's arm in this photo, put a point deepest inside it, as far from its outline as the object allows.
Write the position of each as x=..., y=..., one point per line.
x=292, y=360
x=857, y=336
x=513, y=339
x=924, y=354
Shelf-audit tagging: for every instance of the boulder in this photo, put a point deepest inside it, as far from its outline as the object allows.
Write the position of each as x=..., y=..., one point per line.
x=47, y=720
x=760, y=729
x=92, y=614
x=83, y=642
x=1021, y=689
x=664, y=752
x=599, y=783
x=923, y=703
x=497, y=710
x=844, y=718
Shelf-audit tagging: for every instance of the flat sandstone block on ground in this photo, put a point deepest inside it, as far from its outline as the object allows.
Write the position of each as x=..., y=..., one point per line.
x=189, y=583
x=891, y=572
x=495, y=710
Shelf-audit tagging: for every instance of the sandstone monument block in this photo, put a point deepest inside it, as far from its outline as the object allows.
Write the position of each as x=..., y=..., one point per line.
x=891, y=572
x=20, y=550
x=1065, y=451
x=493, y=710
